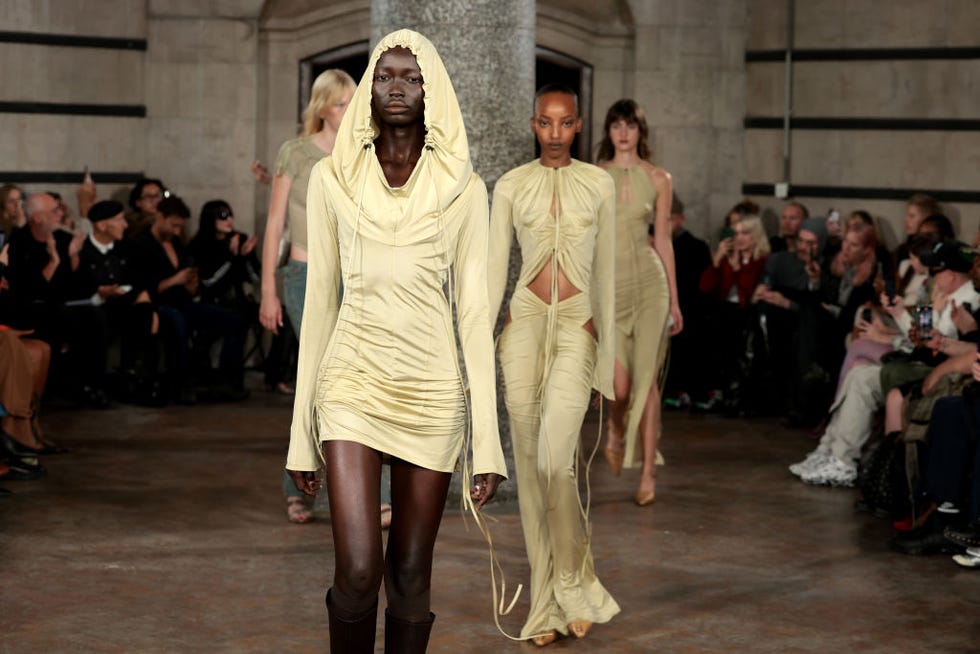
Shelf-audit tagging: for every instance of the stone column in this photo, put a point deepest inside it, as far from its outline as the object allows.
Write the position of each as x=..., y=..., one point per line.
x=488, y=49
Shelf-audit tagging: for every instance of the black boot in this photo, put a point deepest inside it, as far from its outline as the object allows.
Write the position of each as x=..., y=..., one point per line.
x=352, y=634
x=403, y=637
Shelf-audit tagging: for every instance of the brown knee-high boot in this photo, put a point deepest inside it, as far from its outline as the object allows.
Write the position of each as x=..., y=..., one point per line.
x=403, y=637
x=352, y=634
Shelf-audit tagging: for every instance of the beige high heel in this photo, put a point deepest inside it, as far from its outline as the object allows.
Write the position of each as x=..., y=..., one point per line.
x=545, y=639
x=580, y=628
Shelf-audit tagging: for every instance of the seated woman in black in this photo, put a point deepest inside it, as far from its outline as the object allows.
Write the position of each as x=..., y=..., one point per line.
x=225, y=258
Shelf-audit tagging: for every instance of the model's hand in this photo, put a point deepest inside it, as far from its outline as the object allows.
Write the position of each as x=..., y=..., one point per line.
x=484, y=488
x=677, y=319
x=305, y=481
x=233, y=243
x=270, y=313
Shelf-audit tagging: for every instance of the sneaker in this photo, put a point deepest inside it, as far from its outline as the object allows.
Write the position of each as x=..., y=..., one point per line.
x=813, y=460
x=833, y=472
x=968, y=560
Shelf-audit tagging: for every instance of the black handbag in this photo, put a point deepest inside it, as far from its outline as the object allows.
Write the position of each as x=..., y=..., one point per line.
x=882, y=479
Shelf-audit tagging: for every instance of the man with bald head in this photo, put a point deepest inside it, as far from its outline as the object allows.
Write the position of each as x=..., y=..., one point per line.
x=43, y=259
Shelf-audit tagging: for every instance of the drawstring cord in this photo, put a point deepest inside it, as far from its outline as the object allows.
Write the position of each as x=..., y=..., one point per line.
x=500, y=607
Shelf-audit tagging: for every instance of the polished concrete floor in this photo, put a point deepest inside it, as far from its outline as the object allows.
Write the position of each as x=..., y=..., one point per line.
x=164, y=531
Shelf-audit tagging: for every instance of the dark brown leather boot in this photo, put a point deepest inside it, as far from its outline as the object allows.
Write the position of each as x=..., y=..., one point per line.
x=352, y=634
x=403, y=637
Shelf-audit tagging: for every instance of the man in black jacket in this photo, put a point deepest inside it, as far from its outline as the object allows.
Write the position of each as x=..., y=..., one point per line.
x=108, y=278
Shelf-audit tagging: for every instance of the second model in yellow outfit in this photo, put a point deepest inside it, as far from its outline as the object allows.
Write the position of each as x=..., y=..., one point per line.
x=563, y=218
x=642, y=298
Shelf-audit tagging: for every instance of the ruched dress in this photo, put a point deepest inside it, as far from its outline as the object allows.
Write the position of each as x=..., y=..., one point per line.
x=563, y=218
x=642, y=299
x=380, y=368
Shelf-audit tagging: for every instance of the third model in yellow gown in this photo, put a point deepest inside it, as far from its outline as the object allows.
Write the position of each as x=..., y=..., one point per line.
x=564, y=219
x=642, y=299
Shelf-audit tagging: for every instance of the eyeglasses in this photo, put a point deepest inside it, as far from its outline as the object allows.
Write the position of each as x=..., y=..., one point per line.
x=225, y=214
x=151, y=196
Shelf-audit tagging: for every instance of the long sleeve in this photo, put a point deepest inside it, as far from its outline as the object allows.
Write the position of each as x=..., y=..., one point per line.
x=501, y=236
x=475, y=332
x=712, y=281
x=604, y=288
x=319, y=318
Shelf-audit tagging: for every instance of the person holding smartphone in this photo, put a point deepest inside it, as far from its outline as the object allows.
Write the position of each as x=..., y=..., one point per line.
x=864, y=388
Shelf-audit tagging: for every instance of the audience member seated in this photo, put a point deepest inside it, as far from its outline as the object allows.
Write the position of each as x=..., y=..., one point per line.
x=886, y=266
x=919, y=207
x=11, y=209
x=143, y=201
x=108, y=278
x=42, y=263
x=691, y=254
x=737, y=269
x=173, y=282
x=861, y=394
x=793, y=215
x=225, y=259
x=850, y=282
x=743, y=208
x=788, y=288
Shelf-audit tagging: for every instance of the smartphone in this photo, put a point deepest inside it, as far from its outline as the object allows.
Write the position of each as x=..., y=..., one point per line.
x=125, y=288
x=925, y=319
x=727, y=232
x=833, y=216
x=866, y=314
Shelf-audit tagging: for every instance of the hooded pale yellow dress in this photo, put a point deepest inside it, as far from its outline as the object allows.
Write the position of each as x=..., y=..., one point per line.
x=550, y=363
x=380, y=368
x=642, y=300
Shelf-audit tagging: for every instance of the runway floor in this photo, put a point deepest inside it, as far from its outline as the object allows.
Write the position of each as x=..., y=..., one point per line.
x=164, y=531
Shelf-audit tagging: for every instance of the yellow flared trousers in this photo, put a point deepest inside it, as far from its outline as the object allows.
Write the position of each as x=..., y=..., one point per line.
x=548, y=383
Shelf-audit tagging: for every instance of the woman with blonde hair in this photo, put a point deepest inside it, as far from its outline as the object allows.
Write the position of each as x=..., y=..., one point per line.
x=647, y=311
x=332, y=91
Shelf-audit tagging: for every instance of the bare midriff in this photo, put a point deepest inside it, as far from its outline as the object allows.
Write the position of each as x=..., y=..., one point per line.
x=541, y=287
x=297, y=253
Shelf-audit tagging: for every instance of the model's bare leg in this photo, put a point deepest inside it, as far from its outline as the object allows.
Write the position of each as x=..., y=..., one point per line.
x=353, y=482
x=649, y=433
x=615, y=426
x=418, y=496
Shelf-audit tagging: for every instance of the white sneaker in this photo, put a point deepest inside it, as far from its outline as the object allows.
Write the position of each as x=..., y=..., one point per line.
x=833, y=472
x=813, y=460
x=969, y=560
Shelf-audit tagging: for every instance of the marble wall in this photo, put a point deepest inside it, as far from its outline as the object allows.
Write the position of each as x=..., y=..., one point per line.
x=936, y=89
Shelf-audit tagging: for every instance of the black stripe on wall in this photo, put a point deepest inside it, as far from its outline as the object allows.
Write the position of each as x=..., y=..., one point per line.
x=73, y=109
x=862, y=54
x=861, y=193
x=73, y=41
x=66, y=178
x=891, y=124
